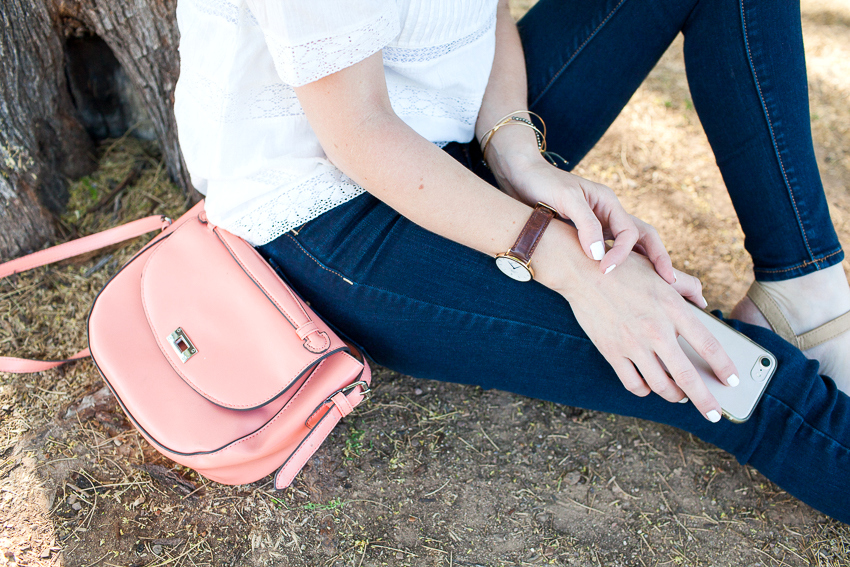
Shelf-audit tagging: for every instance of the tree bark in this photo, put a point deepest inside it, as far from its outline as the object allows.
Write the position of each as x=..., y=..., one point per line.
x=143, y=36
x=42, y=141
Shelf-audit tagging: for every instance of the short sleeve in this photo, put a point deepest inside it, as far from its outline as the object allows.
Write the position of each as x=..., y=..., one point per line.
x=310, y=39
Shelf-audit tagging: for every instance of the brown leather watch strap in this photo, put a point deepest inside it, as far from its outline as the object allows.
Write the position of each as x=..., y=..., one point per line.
x=524, y=246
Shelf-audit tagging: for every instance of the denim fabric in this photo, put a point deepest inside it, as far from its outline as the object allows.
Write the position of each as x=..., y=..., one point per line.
x=747, y=75
x=431, y=308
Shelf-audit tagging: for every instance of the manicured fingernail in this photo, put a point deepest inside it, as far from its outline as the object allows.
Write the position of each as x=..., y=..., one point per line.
x=704, y=303
x=597, y=250
x=713, y=416
x=683, y=401
x=609, y=268
x=733, y=380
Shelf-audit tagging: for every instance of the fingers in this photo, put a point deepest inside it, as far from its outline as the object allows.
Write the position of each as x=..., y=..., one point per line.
x=688, y=379
x=671, y=374
x=630, y=378
x=623, y=231
x=658, y=380
x=604, y=210
x=709, y=348
x=588, y=226
x=598, y=215
x=690, y=288
x=654, y=249
x=652, y=378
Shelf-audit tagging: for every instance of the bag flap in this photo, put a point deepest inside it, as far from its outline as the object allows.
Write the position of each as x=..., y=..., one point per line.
x=227, y=324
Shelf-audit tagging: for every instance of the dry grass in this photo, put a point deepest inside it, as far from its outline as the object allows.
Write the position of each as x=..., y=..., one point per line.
x=427, y=473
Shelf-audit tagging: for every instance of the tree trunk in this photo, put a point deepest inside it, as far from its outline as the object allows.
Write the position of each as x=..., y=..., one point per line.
x=42, y=139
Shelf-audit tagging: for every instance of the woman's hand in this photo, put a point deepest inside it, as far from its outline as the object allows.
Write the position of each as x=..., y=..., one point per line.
x=634, y=319
x=513, y=155
x=687, y=286
x=593, y=208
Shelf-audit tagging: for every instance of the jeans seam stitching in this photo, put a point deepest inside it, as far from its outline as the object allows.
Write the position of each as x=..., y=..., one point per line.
x=575, y=53
x=321, y=265
x=798, y=266
x=770, y=129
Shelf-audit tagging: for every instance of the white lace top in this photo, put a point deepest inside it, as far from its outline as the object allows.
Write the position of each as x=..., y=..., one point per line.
x=246, y=141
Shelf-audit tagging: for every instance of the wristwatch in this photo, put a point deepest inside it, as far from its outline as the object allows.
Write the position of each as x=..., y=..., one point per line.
x=515, y=263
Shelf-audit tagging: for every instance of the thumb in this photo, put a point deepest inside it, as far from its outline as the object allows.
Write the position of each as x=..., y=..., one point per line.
x=589, y=230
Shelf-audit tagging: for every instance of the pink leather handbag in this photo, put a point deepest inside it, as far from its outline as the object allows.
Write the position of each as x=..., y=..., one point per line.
x=215, y=360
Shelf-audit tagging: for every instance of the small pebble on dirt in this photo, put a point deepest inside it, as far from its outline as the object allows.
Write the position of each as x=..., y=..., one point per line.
x=572, y=478
x=76, y=506
x=418, y=391
x=157, y=550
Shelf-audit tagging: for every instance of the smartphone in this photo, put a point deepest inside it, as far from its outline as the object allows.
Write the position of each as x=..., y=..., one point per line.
x=755, y=364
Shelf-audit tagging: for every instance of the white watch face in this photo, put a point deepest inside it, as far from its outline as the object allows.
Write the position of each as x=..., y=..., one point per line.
x=513, y=269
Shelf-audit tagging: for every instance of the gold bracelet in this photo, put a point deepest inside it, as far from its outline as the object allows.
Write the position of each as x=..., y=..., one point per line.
x=513, y=118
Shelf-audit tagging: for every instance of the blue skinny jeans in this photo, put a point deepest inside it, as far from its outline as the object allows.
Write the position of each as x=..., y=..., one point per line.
x=747, y=75
x=431, y=308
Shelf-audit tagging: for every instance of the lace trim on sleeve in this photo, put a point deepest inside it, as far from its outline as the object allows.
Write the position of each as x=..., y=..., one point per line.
x=301, y=64
x=398, y=55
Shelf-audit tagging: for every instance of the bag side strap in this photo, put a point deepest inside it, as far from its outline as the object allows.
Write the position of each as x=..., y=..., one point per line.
x=63, y=252
x=342, y=403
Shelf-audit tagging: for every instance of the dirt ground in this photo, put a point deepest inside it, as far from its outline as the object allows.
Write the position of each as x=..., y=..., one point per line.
x=426, y=473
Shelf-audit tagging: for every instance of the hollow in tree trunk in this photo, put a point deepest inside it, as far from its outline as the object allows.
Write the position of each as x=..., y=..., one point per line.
x=50, y=49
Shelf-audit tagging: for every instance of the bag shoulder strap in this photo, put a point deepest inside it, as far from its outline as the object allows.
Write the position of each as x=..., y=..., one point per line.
x=84, y=244
x=63, y=252
x=25, y=365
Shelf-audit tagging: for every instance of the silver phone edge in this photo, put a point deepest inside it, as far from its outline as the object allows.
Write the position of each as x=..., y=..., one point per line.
x=774, y=365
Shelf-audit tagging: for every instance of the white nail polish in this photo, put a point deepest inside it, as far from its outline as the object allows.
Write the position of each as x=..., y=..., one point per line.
x=733, y=380
x=684, y=401
x=675, y=279
x=597, y=250
x=705, y=303
x=713, y=416
x=609, y=268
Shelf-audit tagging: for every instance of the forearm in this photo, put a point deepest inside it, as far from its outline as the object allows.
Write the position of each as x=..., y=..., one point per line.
x=514, y=148
x=631, y=316
x=427, y=186
x=352, y=116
